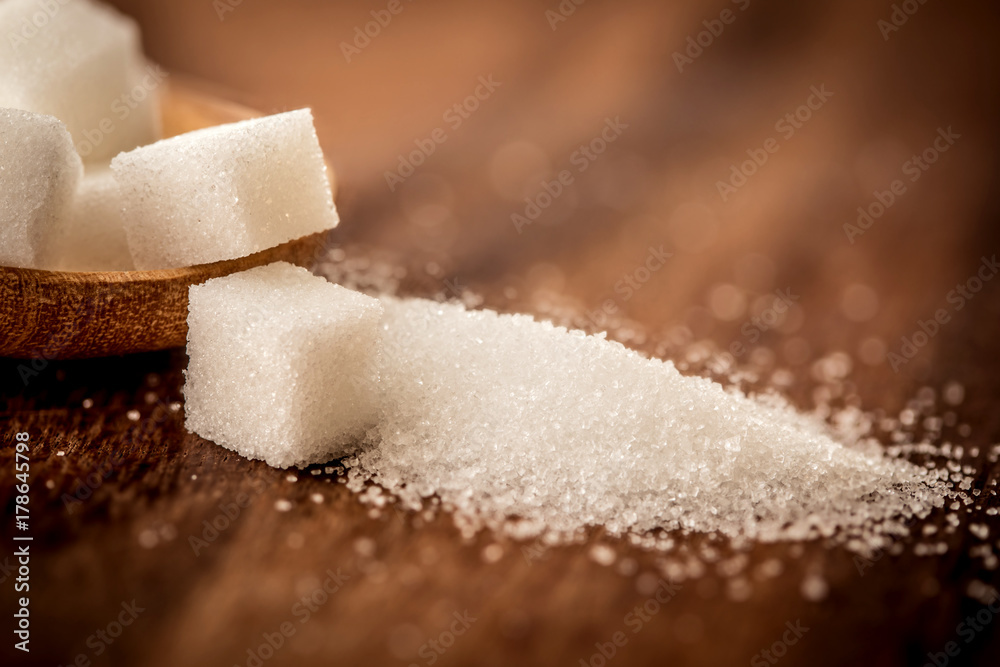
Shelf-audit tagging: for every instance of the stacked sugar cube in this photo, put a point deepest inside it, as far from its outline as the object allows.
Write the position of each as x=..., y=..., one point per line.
x=74, y=69
x=94, y=237
x=39, y=173
x=224, y=192
x=82, y=63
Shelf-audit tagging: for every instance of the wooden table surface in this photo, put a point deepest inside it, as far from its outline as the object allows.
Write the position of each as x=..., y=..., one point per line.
x=109, y=434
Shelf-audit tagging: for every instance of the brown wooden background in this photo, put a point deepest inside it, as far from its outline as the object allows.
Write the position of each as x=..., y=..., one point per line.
x=655, y=185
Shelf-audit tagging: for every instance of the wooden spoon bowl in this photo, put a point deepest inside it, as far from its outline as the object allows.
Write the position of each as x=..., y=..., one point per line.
x=61, y=315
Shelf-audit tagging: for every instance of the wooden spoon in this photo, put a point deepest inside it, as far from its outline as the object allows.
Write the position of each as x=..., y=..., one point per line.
x=61, y=315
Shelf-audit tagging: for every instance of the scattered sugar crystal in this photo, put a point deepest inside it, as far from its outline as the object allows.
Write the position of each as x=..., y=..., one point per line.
x=739, y=589
x=133, y=415
x=483, y=417
x=732, y=566
x=694, y=568
x=492, y=553
x=283, y=365
x=503, y=416
x=647, y=583
x=82, y=63
x=981, y=551
x=283, y=505
x=709, y=554
x=94, y=239
x=953, y=393
x=981, y=591
x=627, y=567
x=769, y=569
x=673, y=570
x=365, y=547
x=87, y=403
x=291, y=478
x=317, y=498
x=148, y=538
x=602, y=554
x=980, y=530
x=224, y=192
x=814, y=588
x=39, y=173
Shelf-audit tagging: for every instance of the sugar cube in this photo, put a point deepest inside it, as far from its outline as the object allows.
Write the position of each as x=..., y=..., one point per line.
x=283, y=365
x=81, y=62
x=224, y=192
x=94, y=239
x=39, y=172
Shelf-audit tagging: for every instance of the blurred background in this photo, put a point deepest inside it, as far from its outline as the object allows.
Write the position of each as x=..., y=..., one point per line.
x=698, y=88
x=660, y=170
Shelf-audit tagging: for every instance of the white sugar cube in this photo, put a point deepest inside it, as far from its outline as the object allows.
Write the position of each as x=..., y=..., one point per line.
x=39, y=172
x=94, y=239
x=224, y=192
x=81, y=62
x=283, y=365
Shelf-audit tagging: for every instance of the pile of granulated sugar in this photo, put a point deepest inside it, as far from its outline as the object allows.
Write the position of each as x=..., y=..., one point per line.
x=532, y=429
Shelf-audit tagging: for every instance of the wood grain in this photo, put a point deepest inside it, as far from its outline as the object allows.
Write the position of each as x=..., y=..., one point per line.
x=129, y=538
x=62, y=315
